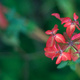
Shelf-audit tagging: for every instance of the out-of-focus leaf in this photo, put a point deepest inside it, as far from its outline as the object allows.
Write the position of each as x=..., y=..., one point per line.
x=62, y=64
x=17, y=25
x=72, y=65
x=66, y=6
x=77, y=61
x=11, y=14
x=31, y=26
x=23, y=25
x=13, y=41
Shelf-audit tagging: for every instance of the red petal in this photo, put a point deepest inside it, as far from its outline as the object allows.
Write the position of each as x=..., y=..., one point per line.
x=55, y=48
x=65, y=20
x=48, y=32
x=3, y=21
x=75, y=16
x=56, y=15
x=55, y=29
x=67, y=24
x=77, y=22
x=77, y=27
x=50, y=41
x=78, y=46
x=66, y=56
x=49, y=52
x=49, y=55
x=60, y=38
x=74, y=57
x=76, y=36
x=49, y=49
x=59, y=59
x=58, y=47
x=69, y=56
x=53, y=57
x=70, y=29
x=62, y=19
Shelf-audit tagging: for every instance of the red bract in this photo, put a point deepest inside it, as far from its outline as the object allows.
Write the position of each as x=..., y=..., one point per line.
x=54, y=37
x=53, y=31
x=50, y=41
x=69, y=23
x=74, y=56
x=76, y=36
x=75, y=16
x=68, y=45
x=50, y=52
x=56, y=15
x=70, y=29
x=60, y=38
x=63, y=57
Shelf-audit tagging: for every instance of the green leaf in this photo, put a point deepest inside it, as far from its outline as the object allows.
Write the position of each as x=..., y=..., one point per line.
x=10, y=15
x=62, y=64
x=73, y=67
x=13, y=40
x=77, y=61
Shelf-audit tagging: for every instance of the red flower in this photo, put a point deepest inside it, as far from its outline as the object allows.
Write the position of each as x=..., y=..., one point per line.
x=74, y=56
x=64, y=50
x=69, y=23
x=53, y=31
x=53, y=36
x=76, y=36
x=63, y=57
x=56, y=15
x=50, y=52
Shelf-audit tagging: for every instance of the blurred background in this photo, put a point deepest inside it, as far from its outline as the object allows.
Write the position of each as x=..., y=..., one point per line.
x=22, y=38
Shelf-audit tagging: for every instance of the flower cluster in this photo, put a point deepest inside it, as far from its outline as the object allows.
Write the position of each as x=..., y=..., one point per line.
x=67, y=46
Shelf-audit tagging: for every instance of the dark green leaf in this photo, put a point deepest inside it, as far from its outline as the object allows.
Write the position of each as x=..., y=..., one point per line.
x=73, y=67
x=78, y=60
x=62, y=64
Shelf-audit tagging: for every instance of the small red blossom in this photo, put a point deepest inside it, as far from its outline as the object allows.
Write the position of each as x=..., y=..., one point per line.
x=63, y=57
x=56, y=15
x=64, y=47
x=53, y=31
x=69, y=23
x=54, y=37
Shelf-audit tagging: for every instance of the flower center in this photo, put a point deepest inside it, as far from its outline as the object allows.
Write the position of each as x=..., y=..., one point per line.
x=70, y=43
x=60, y=51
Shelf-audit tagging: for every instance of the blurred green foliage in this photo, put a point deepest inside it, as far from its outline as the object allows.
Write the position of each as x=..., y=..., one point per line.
x=21, y=57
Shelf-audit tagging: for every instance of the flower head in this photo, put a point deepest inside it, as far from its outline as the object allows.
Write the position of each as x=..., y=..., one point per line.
x=54, y=37
x=64, y=47
x=69, y=23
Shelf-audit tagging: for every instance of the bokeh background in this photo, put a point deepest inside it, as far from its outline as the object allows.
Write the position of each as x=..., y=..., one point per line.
x=22, y=38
